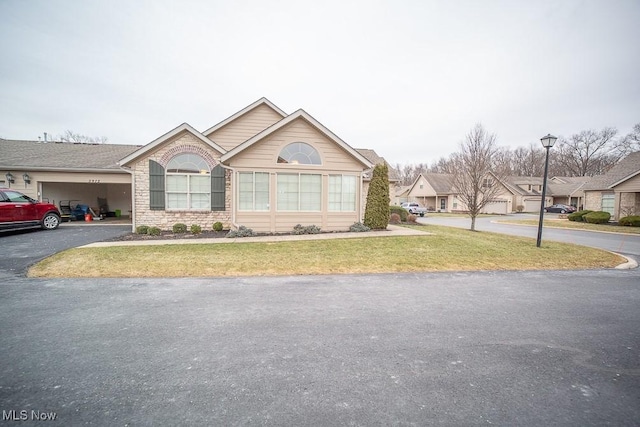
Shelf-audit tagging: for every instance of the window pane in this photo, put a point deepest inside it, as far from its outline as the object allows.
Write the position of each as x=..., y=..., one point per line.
x=188, y=163
x=261, y=191
x=200, y=183
x=200, y=201
x=287, y=192
x=299, y=153
x=310, y=192
x=349, y=193
x=245, y=191
x=176, y=201
x=177, y=183
x=335, y=193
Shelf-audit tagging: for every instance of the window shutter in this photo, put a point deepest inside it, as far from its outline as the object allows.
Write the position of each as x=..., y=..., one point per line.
x=156, y=186
x=218, y=184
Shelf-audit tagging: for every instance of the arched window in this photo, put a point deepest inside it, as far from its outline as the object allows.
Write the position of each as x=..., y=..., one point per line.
x=299, y=153
x=188, y=182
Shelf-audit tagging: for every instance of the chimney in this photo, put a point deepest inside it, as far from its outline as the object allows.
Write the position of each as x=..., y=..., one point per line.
x=45, y=137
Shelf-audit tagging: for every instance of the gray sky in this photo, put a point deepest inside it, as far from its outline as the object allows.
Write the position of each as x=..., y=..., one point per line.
x=406, y=78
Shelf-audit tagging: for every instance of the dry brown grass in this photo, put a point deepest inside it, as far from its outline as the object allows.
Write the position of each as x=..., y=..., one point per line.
x=448, y=249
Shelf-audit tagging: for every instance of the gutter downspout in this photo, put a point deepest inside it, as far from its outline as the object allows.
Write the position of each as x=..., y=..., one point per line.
x=133, y=197
x=233, y=207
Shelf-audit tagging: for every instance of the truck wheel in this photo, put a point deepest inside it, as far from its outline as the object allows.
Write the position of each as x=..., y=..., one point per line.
x=50, y=221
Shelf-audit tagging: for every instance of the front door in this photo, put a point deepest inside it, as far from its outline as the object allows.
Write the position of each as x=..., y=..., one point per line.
x=443, y=204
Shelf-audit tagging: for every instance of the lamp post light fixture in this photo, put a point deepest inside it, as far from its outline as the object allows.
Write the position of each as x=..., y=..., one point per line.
x=10, y=178
x=26, y=178
x=547, y=142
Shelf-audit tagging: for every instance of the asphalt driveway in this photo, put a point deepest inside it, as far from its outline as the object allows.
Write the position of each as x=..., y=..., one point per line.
x=24, y=248
x=510, y=348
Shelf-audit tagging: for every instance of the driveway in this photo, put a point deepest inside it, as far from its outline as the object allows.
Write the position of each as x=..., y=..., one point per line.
x=507, y=348
x=625, y=244
x=24, y=248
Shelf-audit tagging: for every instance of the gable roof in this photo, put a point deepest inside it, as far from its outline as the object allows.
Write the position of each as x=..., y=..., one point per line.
x=36, y=155
x=624, y=170
x=302, y=115
x=185, y=127
x=374, y=158
x=245, y=110
x=440, y=182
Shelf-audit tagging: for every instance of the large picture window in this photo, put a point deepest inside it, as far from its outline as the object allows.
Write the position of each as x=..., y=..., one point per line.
x=299, y=192
x=253, y=191
x=188, y=183
x=608, y=203
x=342, y=193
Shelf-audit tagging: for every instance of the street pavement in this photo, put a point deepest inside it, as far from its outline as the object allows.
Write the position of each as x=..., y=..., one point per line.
x=468, y=348
x=625, y=244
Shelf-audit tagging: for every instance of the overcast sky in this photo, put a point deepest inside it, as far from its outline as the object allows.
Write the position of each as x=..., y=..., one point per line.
x=406, y=78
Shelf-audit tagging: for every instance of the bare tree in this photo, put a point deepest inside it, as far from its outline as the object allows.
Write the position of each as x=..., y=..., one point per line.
x=475, y=179
x=631, y=141
x=71, y=136
x=589, y=152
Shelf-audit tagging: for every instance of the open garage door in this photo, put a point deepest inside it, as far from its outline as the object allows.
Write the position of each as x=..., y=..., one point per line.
x=496, y=207
x=116, y=196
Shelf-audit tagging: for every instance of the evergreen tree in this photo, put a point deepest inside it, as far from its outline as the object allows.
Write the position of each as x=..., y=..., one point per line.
x=376, y=214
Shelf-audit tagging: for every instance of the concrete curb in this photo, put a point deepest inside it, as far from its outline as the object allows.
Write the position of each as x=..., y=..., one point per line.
x=631, y=263
x=391, y=231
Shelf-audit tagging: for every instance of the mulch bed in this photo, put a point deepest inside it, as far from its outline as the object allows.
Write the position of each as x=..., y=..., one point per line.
x=169, y=235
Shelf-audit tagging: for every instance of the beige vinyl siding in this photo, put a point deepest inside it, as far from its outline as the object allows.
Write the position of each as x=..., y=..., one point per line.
x=264, y=154
x=244, y=127
x=629, y=186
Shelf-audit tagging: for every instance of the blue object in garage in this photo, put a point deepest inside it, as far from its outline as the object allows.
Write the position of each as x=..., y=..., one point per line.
x=80, y=211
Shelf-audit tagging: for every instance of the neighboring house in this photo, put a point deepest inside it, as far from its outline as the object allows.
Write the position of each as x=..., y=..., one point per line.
x=617, y=191
x=260, y=168
x=568, y=190
x=435, y=191
x=58, y=171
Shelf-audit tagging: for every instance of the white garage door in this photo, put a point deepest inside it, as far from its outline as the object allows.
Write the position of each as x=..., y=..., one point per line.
x=496, y=207
x=532, y=205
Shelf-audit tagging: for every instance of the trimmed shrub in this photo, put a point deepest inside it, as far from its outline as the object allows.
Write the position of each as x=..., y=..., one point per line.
x=394, y=218
x=196, y=229
x=413, y=219
x=358, y=227
x=597, y=217
x=154, y=231
x=142, y=229
x=520, y=208
x=400, y=211
x=242, y=231
x=376, y=212
x=630, y=221
x=577, y=216
x=217, y=226
x=179, y=228
x=308, y=229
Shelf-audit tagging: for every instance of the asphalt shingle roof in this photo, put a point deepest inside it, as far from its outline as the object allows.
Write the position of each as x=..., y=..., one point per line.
x=623, y=169
x=374, y=158
x=65, y=155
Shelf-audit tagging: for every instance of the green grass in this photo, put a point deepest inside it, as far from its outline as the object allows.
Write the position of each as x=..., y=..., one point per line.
x=565, y=223
x=447, y=249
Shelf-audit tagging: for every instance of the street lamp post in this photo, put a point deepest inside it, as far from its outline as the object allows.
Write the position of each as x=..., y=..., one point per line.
x=547, y=142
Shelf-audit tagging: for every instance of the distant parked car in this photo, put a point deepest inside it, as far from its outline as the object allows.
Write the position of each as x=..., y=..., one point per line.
x=19, y=211
x=413, y=208
x=559, y=208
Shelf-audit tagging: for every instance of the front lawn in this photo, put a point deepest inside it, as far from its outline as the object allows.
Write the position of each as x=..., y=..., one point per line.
x=447, y=249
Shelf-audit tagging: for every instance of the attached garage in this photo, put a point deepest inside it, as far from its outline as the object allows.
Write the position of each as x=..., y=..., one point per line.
x=497, y=206
x=532, y=205
x=62, y=171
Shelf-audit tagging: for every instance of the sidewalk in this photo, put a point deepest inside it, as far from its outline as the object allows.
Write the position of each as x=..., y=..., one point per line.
x=391, y=231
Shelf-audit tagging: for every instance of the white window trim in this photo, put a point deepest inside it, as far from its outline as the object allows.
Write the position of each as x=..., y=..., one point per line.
x=342, y=201
x=188, y=193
